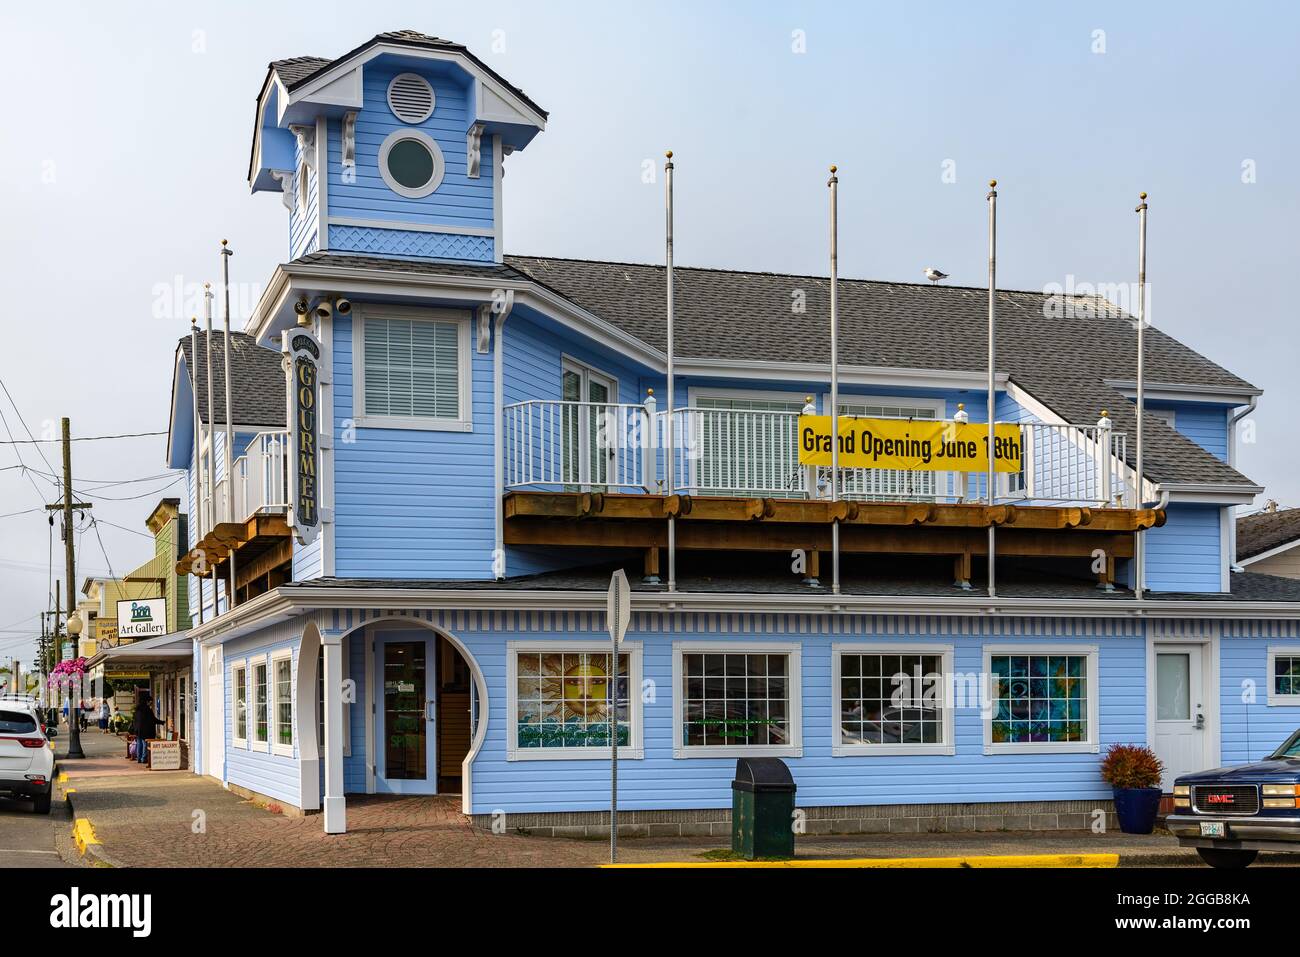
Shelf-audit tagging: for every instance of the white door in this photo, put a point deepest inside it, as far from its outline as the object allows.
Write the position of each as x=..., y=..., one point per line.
x=1180, y=711
x=589, y=421
x=214, y=713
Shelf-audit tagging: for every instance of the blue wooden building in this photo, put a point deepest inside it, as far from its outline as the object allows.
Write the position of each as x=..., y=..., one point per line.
x=437, y=453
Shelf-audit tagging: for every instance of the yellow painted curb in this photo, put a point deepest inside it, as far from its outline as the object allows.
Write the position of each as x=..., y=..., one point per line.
x=63, y=777
x=84, y=834
x=1009, y=860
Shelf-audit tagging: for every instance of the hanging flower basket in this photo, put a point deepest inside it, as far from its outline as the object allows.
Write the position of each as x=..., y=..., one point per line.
x=67, y=673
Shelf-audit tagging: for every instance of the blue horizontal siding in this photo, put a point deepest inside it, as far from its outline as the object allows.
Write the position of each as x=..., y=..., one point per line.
x=1252, y=728
x=1204, y=423
x=1184, y=555
x=658, y=781
x=273, y=775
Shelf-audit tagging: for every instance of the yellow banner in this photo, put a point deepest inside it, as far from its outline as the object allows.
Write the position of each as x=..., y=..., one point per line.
x=916, y=446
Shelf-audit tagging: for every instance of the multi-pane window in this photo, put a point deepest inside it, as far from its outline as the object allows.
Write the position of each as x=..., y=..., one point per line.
x=412, y=368
x=1284, y=676
x=239, y=678
x=562, y=700
x=259, y=703
x=283, y=675
x=891, y=699
x=1040, y=698
x=736, y=699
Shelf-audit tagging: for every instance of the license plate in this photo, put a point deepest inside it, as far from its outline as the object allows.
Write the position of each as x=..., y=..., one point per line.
x=1214, y=829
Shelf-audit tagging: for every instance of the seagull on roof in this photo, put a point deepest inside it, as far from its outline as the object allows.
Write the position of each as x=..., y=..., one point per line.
x=934, y=275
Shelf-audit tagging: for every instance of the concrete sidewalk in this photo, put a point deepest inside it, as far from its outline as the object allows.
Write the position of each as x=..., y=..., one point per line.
x=176, y=819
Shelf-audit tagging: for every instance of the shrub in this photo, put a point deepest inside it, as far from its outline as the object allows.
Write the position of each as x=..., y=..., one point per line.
x=1131, y=766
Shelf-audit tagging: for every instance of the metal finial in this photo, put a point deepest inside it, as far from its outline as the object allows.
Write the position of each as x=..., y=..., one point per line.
x=833, y=168
x=961, y=405
x=993, y=184
x=669, y=154
x=224, y=241
x=1142, y=196
x=207, y=285
x=807, y=400
x=649, y=391
x=1105, y=414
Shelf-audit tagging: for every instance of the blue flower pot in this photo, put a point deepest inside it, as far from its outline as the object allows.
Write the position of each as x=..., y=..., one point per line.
x=1137, y=809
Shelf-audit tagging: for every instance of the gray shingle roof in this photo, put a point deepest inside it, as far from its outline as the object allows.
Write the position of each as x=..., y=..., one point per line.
x=418, y=267
x=1266, y=530
x=297, y=70
x=1062, y=361
x=257, y=380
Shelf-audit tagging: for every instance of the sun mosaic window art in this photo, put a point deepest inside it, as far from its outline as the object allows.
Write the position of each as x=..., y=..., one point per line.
x=563, y=700
x=1040, y=697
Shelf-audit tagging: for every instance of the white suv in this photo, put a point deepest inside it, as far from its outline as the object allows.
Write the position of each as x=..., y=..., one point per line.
x=26, y=759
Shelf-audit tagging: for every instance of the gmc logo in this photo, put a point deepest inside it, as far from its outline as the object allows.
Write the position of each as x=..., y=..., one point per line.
x=1221, y=799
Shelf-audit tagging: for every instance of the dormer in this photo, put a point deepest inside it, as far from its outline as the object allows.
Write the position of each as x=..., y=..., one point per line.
x=394, y=149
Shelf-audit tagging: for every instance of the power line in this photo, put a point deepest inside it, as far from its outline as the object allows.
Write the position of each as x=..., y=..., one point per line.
x=23, y=423
x=26, y=511
x=82, y=438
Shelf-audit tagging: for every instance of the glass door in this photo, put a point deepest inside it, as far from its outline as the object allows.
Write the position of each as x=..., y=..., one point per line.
x=588, y=427
x=405, y=751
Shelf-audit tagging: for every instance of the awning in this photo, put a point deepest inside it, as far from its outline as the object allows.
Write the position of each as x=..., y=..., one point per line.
x=159, y=653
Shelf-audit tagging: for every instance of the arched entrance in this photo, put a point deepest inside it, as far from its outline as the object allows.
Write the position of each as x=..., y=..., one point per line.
x=306, y=716
x=423, y=699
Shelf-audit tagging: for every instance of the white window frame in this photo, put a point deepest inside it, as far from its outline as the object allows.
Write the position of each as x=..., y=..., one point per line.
x=634, y=750
x=945, y=652
x=273, y=704
x=238, y=667
x=464, y=420
x=1276, y=700
x=253, y=744
x=1091, y=746
x=439, y=163
x=794, y=705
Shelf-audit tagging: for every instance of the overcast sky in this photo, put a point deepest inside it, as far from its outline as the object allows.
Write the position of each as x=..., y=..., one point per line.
x=127, y=140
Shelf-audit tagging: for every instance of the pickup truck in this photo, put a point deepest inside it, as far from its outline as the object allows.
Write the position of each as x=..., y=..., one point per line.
x=1231, y=814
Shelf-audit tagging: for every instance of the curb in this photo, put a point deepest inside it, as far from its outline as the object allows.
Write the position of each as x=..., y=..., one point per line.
x=971, y=861
x=83, y=835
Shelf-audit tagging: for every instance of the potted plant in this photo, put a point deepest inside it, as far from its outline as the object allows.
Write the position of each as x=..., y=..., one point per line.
x=1133, y=771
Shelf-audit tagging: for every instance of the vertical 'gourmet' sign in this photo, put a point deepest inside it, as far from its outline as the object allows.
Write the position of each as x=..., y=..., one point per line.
x=302, y=366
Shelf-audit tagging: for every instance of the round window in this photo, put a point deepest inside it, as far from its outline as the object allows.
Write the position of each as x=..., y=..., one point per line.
x=411, y=163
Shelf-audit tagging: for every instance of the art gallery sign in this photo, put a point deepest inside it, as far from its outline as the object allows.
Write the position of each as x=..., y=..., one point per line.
x=141, y=618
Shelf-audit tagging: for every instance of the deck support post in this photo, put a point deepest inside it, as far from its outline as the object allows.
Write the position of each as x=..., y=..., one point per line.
x=651, y=569
x=812, y=577
x=961, y=571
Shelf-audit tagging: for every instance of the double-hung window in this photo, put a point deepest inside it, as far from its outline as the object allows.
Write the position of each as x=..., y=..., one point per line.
x=412, y=368
x=559, y=700
x=1284, y=675
x=239, y=711
x=736, y=699
x=282, y=703
x=891, y=699
x=260, y=693
x=1042, y=698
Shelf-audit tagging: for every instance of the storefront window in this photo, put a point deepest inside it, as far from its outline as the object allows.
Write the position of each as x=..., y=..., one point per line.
x=562, y=700
x=891, y=699
x=1040, y=698
x=239, y=678
x=259, y=703
x=735, y=699
x=283, y=702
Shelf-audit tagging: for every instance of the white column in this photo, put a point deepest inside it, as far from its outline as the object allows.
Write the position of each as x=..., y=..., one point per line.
x=336, y=818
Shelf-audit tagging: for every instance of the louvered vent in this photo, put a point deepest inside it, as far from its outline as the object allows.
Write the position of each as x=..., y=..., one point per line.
x=410, y=97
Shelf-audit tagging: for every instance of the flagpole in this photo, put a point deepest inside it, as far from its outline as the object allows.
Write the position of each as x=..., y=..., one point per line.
x=834, y=184
x=668, y=421
x=1139, y=543
x=212, y=421
x=198, y=438
x=230, y=428
x=991, y=477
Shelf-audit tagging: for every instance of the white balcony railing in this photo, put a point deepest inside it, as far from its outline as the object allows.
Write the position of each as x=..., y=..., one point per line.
x=587, y=446
x=261, y=483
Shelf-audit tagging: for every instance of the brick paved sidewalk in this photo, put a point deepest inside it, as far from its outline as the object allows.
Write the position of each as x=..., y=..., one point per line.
x=176, y=819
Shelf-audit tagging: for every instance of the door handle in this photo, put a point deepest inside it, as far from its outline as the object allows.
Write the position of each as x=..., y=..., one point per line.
x=430, y=710
x=1200, y=722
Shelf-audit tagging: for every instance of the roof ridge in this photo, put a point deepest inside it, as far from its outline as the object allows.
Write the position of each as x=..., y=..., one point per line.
x=765, y=272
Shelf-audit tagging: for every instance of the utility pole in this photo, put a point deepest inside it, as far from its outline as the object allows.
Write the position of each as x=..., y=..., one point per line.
x=67, y=507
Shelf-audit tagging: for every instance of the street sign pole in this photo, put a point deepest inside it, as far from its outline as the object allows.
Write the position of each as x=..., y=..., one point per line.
x=618, y=609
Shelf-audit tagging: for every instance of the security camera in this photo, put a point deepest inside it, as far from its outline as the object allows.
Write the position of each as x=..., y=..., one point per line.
x=342, y=306
x=300, y=307
x=324, y=310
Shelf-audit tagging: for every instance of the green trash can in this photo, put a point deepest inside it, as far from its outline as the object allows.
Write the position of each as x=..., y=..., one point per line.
x=762, y=809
